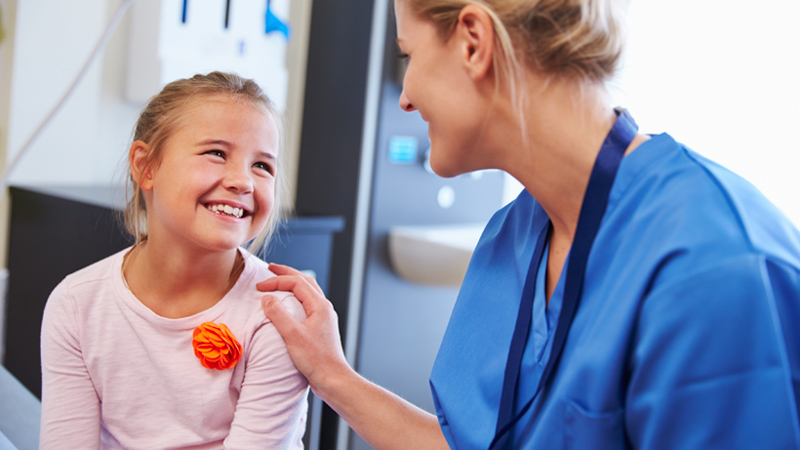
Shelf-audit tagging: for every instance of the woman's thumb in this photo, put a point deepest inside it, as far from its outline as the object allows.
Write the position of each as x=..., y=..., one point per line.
x=276, y=312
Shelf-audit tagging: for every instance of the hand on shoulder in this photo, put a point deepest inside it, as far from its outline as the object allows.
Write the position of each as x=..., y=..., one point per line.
x=309, y=327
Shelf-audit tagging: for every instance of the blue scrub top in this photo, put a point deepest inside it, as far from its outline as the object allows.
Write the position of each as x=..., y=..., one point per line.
x=688, y=331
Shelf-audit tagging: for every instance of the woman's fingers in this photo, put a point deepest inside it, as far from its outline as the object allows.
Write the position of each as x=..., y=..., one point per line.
x=289, y=325
x=276, y=312
x=314, y=344
x=310, y=296
x=281, y=270
x=294, y=334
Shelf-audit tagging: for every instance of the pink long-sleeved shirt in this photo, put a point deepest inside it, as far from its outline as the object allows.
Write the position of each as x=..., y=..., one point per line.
x=117, y=375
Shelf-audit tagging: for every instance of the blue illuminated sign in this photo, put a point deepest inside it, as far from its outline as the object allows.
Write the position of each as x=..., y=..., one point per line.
x=403, y=150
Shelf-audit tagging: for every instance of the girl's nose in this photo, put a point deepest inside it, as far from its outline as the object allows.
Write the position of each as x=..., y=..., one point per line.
x=238, y=181
x=405, y=103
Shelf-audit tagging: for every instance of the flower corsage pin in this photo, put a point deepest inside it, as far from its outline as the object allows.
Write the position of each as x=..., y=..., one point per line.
x=215, y=346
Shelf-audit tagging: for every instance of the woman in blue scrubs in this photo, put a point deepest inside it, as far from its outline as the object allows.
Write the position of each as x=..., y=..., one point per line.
x=634, y=295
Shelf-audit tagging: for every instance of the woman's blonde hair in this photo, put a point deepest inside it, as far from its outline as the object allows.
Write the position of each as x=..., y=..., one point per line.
x=165, y=114
x=578, y=39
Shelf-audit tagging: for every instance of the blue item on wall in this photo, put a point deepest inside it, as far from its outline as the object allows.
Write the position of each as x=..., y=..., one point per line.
x=273, y=23
x=403, y=150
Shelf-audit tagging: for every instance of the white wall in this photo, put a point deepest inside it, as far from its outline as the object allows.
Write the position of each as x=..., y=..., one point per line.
x=51, y=42
x=723, y=77
x=87, y=142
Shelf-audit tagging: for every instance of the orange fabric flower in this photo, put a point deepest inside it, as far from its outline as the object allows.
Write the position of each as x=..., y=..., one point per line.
x=216, y=346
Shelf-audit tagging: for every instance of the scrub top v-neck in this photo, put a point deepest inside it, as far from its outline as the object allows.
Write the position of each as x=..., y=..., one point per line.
x=540, y=342
x=543, y=325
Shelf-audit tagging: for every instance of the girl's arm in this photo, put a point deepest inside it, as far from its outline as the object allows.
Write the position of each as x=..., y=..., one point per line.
x=70, y=406
x=272, y=406
x=381, y=418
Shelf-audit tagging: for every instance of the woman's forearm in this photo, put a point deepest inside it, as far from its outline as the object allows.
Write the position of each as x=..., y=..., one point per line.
x=384, y=420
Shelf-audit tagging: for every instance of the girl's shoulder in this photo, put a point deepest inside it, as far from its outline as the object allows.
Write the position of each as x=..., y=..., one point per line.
x=245, y=298
x=93, y=281
x=88, y=293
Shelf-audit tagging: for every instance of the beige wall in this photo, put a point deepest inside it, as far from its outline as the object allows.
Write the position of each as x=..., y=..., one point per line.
x=296, y=59
x=8, y=8
x=7, y=12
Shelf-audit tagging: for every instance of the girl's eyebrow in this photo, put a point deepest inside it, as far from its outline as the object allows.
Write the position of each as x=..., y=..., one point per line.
x=215, y=142
x=268, y=155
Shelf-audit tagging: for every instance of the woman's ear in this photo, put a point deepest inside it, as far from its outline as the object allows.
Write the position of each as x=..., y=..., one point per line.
x=476, y=40
x=141, y=171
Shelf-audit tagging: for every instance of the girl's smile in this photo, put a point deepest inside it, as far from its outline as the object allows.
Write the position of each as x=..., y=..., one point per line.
x=227, y=210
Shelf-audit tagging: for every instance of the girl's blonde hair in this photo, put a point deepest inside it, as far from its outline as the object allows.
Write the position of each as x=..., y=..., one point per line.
x=577, y=39
x=165, y=114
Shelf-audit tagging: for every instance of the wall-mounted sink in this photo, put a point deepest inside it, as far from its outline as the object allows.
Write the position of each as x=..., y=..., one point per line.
x=433, y=254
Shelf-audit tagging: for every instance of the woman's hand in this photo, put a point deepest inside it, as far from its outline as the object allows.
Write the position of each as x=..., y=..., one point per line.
x=384, y=420
x=314, y=344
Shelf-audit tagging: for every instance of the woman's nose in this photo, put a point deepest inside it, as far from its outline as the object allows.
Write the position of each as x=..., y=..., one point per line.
x=405, y=103
x=238, y=180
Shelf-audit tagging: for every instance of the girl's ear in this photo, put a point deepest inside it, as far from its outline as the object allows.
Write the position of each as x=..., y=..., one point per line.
x=476, y=40
x=141, y=171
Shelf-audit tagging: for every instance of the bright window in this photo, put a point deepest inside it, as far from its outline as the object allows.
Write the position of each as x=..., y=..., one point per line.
x=723, y=77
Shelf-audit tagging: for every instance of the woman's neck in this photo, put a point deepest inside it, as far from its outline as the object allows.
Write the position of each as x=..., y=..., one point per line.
x=175, y=283
x=566, y=125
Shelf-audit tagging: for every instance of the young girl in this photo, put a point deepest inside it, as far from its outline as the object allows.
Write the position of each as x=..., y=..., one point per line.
x=164, y=345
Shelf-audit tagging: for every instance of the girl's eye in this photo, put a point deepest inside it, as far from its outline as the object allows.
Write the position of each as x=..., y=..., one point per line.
x=219, y=153
x=264, y=166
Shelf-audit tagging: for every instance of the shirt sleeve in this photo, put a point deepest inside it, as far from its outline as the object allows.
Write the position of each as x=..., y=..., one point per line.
x=70, y=405
x=710, y=367
x=272, y=406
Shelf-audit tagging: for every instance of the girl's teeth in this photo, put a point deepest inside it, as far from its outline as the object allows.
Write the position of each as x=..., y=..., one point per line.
x=227, y=209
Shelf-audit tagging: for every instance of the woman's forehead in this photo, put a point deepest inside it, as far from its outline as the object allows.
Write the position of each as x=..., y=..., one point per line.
x=410, y=26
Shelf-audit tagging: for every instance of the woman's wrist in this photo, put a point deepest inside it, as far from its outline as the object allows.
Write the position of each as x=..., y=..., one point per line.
x=332, y=385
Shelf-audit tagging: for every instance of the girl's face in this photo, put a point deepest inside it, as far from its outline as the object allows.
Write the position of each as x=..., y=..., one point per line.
x=213, y=188
x=438, y=85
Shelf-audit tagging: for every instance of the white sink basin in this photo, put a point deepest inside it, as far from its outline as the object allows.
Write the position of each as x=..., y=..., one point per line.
x=434, y=254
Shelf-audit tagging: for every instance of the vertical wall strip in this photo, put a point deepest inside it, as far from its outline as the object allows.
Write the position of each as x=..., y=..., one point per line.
x=364, y=194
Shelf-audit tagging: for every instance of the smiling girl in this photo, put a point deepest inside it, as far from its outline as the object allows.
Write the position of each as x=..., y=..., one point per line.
x=164, y=345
